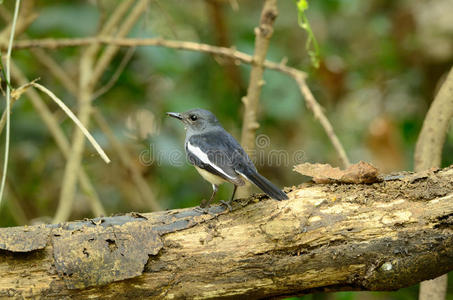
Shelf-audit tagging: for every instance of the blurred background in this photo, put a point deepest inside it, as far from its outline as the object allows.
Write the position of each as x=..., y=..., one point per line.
x=381, y=65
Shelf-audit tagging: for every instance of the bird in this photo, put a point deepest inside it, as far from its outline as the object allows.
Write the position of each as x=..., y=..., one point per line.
x=218, y=157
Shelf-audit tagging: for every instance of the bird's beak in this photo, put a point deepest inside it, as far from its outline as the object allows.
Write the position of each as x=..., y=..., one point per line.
x=175, y=115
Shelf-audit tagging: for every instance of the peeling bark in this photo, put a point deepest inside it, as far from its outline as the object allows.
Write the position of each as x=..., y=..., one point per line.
x=330, y=237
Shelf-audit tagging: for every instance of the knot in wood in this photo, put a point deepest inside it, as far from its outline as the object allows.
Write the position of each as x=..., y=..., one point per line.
x=269, y=16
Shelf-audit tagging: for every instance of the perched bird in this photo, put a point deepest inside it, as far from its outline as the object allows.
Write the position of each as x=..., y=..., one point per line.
x=218, y=157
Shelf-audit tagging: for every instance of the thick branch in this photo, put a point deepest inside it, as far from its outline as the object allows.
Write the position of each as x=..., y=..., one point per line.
x=380, y=236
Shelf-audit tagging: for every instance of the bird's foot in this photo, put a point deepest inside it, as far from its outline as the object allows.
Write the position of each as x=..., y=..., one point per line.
x=227, y=204
x=203, y=210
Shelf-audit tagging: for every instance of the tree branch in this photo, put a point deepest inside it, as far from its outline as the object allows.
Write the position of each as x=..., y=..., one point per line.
x=250, y=123
x=330, y=237
x=146, y=193
x=49, y=119
x=428, y=151
x=298, y=75
x=88, y=76
x=428, y=154
x=59, y=137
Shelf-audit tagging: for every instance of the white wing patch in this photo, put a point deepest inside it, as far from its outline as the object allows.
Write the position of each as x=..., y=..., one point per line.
x=205, y=159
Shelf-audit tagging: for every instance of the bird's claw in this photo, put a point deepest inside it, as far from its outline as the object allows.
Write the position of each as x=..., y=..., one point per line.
x=203, y=210
x=227, y=204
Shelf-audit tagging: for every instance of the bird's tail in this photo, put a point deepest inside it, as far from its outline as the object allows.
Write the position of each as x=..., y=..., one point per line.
x=265, y=185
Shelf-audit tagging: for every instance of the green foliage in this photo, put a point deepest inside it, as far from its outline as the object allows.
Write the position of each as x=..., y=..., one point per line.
x=311, y=45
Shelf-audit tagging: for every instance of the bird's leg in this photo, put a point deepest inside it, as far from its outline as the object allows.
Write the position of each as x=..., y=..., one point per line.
x=228, y=203
x=204, y=207
x=234, y=193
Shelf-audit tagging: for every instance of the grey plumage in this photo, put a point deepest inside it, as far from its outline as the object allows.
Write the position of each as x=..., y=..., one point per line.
x=218, y=156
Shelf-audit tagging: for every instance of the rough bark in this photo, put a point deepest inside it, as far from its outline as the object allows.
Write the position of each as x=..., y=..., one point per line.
x=331, y=237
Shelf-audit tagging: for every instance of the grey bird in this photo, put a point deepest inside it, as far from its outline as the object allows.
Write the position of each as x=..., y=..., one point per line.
x=218, y=157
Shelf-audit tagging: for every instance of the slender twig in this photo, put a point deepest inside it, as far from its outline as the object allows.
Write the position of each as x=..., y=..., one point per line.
x=250, y=123
x=127, y=57
x=141, y=184
x=44, y=112
x=56, y=69
x=298, y=75
x=14, y=204
x=89, y=74
x=2, y=73
x=75, y=120
x=21, y=25
x=125, y=158
x=59, y=137
x=316, y=108
x=238, y=56
x=15, y=94
x=109, y=53
x=8, y=97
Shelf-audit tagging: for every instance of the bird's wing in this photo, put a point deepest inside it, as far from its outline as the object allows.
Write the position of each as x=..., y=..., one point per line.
x=216, y=152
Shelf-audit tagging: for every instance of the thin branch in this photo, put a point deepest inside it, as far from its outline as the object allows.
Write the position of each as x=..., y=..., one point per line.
x=85, y=90
x=127, y=57
x=132, y=42
x=109, y=53
x=145, y=193
x=68, y=185
x=75, y=120
x=298, y=75
x=21, y=25
x=44, y=112
x=250, y=123
x=125, y=158
x=232, y=53
x=13, y=99
x=87, y=81
x=8, y=97
x=14, y=204
x=60, y=139
x=54, y=67
x=316, y=108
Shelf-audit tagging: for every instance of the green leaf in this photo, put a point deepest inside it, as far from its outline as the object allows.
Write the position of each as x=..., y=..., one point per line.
x=311, y=46
x=302, y=5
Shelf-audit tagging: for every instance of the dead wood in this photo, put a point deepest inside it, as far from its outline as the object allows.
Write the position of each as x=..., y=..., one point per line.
x=327, y=237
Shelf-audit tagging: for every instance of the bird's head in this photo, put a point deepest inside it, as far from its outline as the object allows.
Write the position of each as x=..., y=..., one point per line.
x=196, y=120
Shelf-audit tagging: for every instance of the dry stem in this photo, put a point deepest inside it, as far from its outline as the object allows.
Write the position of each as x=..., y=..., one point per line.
x=88, y=77
x=145, y=192
x=298, y=75
x=60, y=139
x=250, y=123
x=8, y=98
x=428, y=154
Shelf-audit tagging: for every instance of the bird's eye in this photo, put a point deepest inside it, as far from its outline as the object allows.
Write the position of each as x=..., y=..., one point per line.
x=193, y=117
